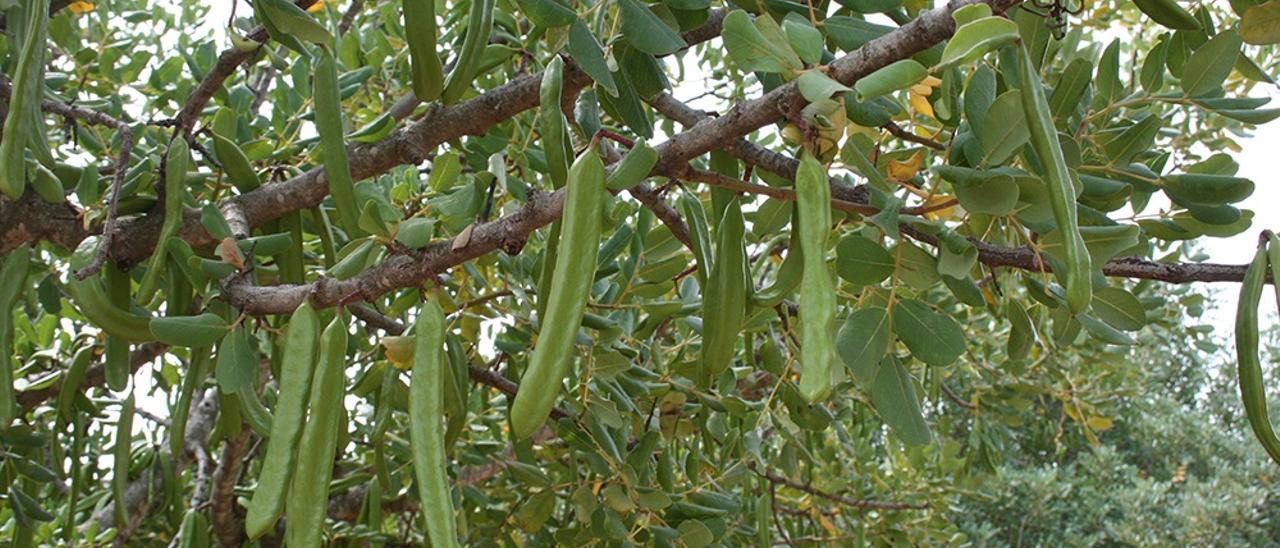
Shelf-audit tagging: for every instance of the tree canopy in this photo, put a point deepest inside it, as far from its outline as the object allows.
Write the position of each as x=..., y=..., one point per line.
x=684, y=273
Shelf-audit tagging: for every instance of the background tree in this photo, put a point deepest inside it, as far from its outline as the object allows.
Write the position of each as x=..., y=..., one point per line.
x=915, y=277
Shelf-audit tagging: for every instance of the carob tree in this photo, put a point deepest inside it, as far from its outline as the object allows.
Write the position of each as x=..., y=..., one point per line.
x=634, y=320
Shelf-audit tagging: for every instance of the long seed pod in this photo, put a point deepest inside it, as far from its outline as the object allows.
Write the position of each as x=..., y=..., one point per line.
x=817, y=288
x=255, y=414
x=725, y=297
x=194, y=379
x=13, y=280
x=1044, y=140
x=479, y=24
x=691, y=207
x=174, y=172
x=337, y=168
x=236, y=165
x=116, y=356
x=296, y=371
x=120, y=470
x=420, y=32
x=309, y=499
x=426, y=425
x=24, y=103
x=90, y=296
x=570, y=286
x=552, y=124
x=1249, y=367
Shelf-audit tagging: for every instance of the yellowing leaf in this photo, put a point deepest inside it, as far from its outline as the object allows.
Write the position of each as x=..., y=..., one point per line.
x=827, y=524
x=1260, y=24
x=399, y=351
x=316, y=7
x=80, y=7
x=1101, y=424
x=944, y=213
x=903, y=170
x=920, y=104
x=922, y=89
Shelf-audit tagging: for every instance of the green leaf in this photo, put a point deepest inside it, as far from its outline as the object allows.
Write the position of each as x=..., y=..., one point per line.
x=933, y=337
x=1206, y=189
x=977, y=38
x=755, y=51
x=1119, y=309
x=1260, y=25
x=979, y=95
x=1107, y=80
x=645, y=31
x=295, y=21
x=860, y=261
x=970, y=13
x=1133, y=140
x=1168, y=13
x=917, y=267
x=1257, y=117
x=1152, y=74
x=214, y=222
x=863, y=341
x=816, y=86
x=1103, y=242
x=633, y=168
x=1210, y=65
x=1103, y=332
x=805, y=40
x=895, y=400
x=1004, y=129
x=1070, y=89
x=189, y=331
x=547, y=13
x=535, y=511
x=1022, y=333
x=993, y=192
x=900, y=75
x=850, y=34
x=589, y=56
x=237, y=365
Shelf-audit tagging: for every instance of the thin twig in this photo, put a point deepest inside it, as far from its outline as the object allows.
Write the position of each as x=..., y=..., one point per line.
x=897, y=131
x=851, y=502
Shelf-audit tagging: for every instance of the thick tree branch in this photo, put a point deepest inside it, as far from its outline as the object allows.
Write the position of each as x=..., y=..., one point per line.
x=226, y=524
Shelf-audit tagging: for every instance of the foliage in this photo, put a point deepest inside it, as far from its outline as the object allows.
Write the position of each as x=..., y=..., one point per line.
x=916, y=283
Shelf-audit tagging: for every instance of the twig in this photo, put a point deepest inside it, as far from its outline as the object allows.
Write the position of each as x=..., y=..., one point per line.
x=956, y=397
x=897, y=131
x=853, y=503
x=109, y=226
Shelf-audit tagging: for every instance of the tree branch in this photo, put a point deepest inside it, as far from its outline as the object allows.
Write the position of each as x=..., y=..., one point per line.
x=851, y=502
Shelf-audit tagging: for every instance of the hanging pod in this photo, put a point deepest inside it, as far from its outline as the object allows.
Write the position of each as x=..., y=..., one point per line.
x=467, y=65
x=174, y=172
x=426, y=425
x=724, y=299
x=1044, y=140
x=817, y=286
x=24, y=102
x=420, y=32
x=13, y=280
x=308, y=500
x=337, y=167
x=1249, y=367
x=571, y=281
